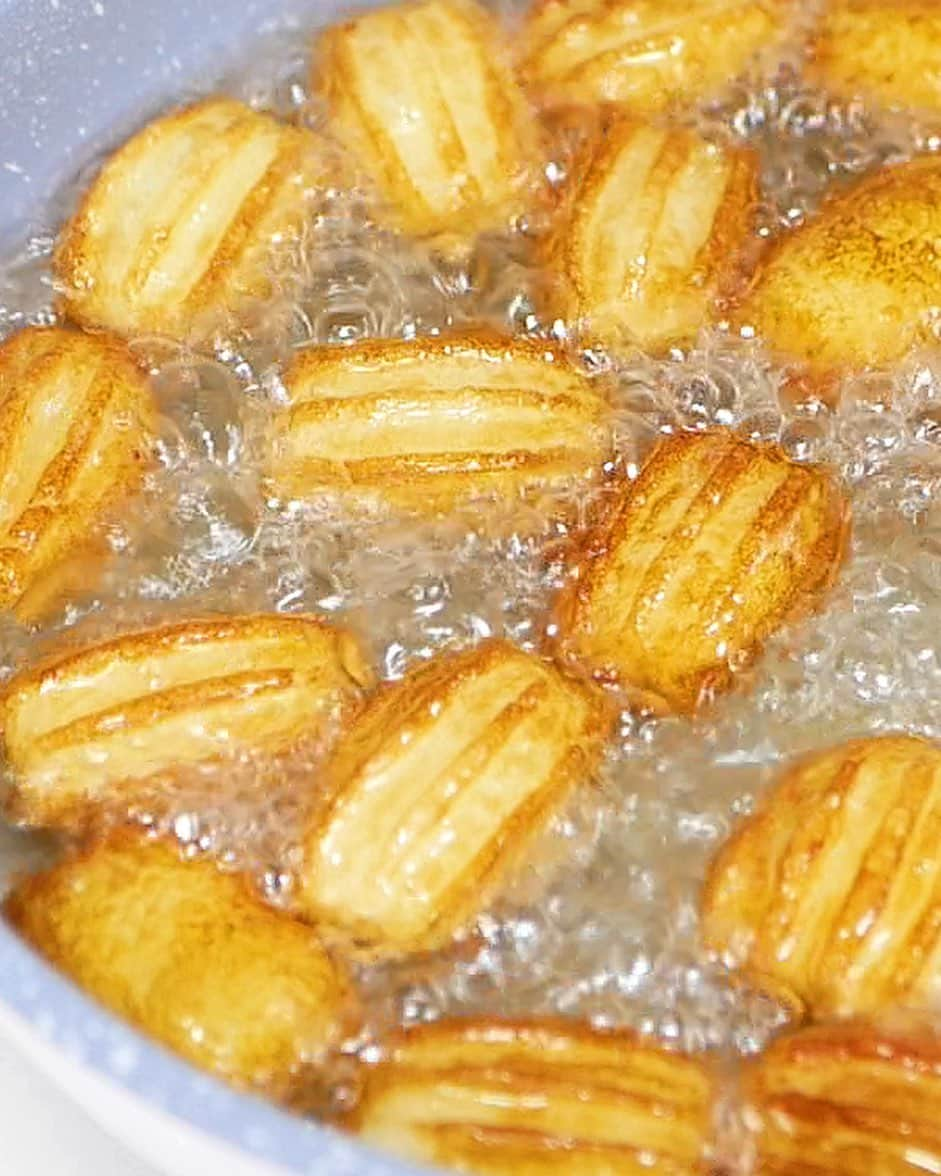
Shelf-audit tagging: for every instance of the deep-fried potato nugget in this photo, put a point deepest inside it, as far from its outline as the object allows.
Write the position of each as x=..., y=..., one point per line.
x=654, y=232
x=887, y=50
x=426, y=424
x=76, y=421
x=79, y=727
x=714, y=545
x=833, y=888
x=435, y=785
x=191, y=956
x=647, y=55
x=424, y=96
x=852, y=1098
x=509, y=1098
x=180, y=227
x=857, y=283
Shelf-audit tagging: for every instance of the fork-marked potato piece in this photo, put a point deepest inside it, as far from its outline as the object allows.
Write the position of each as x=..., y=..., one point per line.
x=435, y=786
x=703, y=556
x=509, y=1098
x=423, y=95
x=425, y=424
x=81, y=726
x=886, y=50
x=191, y=956
x=180, y=229
x=858, y=283
x=833, y=888
x=647, y=55
x=76, y=432
x=655, y=231
x=848, y=1098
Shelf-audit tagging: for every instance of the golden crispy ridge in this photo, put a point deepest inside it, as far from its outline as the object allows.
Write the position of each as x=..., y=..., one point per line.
x=714, y=545
x=79, y=728
x=507, y=1098
x=856, y=284
x=436, y=785
x=426, y=424
x=647, y=55
x=834, y=887
x=851, y=1098
x=76, y=419
x=180, y=227
x=654, y=233
x=189, y=955
x=423, y=94
x=887, y=50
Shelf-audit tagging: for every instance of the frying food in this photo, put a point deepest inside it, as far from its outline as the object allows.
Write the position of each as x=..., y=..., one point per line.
x=714, y=545
x=436, y=786
x=76, y=422
x=191, y=956
x=80, y=726
x=832, y=887
x=181, y=228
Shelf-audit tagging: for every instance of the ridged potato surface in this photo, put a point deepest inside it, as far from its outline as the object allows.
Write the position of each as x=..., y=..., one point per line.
x=80, y=727
x=653, y=232
x=508, y=1098
x=179, y=231
x=833, y=889
x=76, y=436
x=425, y=97
x=424, y=425
x=713, y=546
x=435, y=786
x=190, y=956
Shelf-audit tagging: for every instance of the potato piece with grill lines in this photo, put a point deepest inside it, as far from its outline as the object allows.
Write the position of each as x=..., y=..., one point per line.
x=82, y=726
x=509, y=1098
x=191, y=956
x=179, y=231
x=423, y=95
x=833, y=888
x=435, y=786
x=714, y=545
x=76, y=436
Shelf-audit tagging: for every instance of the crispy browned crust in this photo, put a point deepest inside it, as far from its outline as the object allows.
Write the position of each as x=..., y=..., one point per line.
x=435, y=789
x=178, y=229
x=509, y=1098
x=716, y=543
x=469, y=153
x=847, y=1099
x=191, y=956
x=76, y=435
x=853, y=286
x=834, y=887
x=427, y=424
x=81, y=729
x=654, y=233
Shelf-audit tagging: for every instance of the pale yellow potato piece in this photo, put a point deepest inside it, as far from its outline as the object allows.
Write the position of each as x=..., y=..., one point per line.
x=702, y=557
x=435, y=785
x=423, y=94
x=177, y=233
x=653, y=233
x=425, y=424
x=76, y=436
x=887, y=51
x=851, y=1098
x=857, y=284
x=647, y=55
x=82, y=726
x=191, y=956
x=521, y=1098
x=833, y=889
